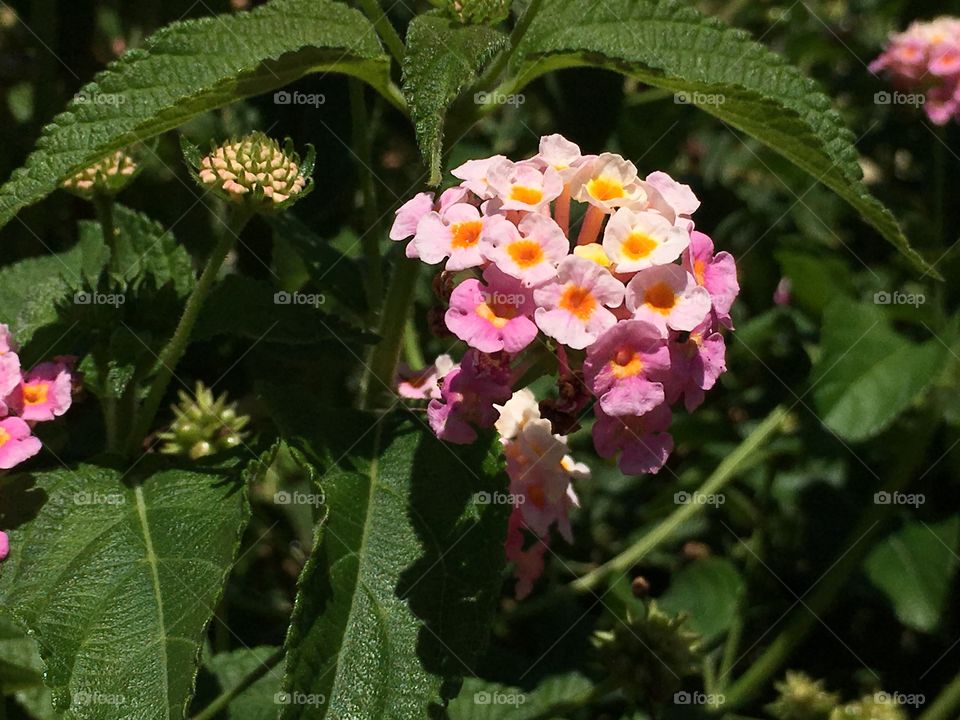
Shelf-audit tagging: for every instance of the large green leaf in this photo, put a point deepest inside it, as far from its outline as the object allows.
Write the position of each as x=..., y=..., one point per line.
x=116, y=577
x=443, y=57
x=401, y=586
x=259, y=701
x=708, y=591
x=867, y=373
x=915, y=568
x=669, y=44
x=188, y=68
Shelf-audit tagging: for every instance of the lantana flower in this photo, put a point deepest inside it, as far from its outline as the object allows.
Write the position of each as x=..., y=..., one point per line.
x=638, y=240
x=667, y=296
x=533, y=252
x=524, y=186
x=468, y=393
x=717, y=273
x=675, y=201
x=474, y=174
x=642, y=440
x=460, y=234
x=608, y=182
x=17, y=442
x=695, y=365
x=409, y=215
x=493, y=316
x=45, y=392
x=573, y=308
x=423, y=384
x=621, y=366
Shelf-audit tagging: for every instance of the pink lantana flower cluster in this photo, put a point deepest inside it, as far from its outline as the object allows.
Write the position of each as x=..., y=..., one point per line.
x=632, y=305
x=26, y=398
x=926, y=57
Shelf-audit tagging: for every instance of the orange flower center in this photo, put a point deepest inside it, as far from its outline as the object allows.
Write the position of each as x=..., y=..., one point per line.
x=526, y=195
x=4, y=437
x=604, y=189
x=466, y=234
x=496, y=314
x=638, y=245
x=699, y=271
x=525, y=253
x=626, y=363
x=660, y=297
x=35, y=394
x=537, y=495
x=578, y=301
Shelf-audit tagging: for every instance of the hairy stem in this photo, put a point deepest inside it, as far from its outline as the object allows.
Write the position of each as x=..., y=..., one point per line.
x=177, y=346
x=221, y=702
x=103, y=204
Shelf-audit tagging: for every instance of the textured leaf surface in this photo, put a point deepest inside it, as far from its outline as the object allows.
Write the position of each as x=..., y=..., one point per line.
x=118, y=580
x=868, y=374
x=259, y=701
x=402, y=584
x=442, y=58
x=188, y=68
x=915, y=568
x=668, y=44
x=708, y=591
x=482, y=700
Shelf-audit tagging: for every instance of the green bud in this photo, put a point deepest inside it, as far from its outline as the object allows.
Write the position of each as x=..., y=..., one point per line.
x=203, y=425
x=802, y=698
x=104, y=177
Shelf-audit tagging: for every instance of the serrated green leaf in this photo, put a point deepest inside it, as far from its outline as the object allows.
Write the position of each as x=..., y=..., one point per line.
x=707, y=591
x=482, y=700
x=669, y=44
x=867, y=373
x=914, y=568
x=188, y=68
x=257, y=702
x=117, y=578
x=443, y=57
x=401, y=586
x=20, y=664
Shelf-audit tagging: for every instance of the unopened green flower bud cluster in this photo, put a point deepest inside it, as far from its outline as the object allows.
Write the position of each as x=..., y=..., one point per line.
x=203, y=425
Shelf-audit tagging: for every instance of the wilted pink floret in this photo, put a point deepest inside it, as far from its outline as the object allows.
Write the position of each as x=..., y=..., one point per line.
x=667, y=296
x=695, y=366
x=17, y=444
x=492, y=317
x=573, y=308
x=643, y=440
x=459, y=233
x=468, y=394
x=528, y=564
x=717, y=273
x=532, y=252
x=620, y=364
x=423, y=384
x=45, y=393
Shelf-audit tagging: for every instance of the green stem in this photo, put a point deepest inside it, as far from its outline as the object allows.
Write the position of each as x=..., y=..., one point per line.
x=411, y=346
x=221, y=702
x=489, y=78
x=946, y=704
x=369, y=239
x=378, y=378
x=726, y=471
x=805, y=618
x=385, y=29
x=103, y=204
x=177, y=346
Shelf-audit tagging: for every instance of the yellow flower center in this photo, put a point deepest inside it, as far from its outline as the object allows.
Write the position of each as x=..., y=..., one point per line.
x=495, y=314
x=594, y=253
x=526, y=195
x=699, y=271
x=604, y=189
x=578, y=301
x=626, y=363
x=638, y=246
x=660, y=297
x=525, y=253
x=35, y=394
x=4, y=437
x=465, y=234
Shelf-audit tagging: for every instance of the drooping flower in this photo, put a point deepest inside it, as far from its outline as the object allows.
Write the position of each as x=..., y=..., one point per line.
x=639, y=240
x=423, y=384
x=474, y=174
x=460, y=234
x=495, y=316
x=642, y=440
x=667, y=296
x=468, y=394
x=620, y=366
x=717, y=273
x=524, y=186
x=674, y=200
x=528, y=563
x=532, y=252
x=573, y=308
x=45, y=393
x=695, y=365
x=17, y=442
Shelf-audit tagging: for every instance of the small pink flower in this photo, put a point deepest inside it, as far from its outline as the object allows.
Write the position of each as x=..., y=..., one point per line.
x=783, y=292
x=459, y=233
x=10, y=378
x=528, y=564
x=468, y=394
x=945, y=59
x=717, y=273
x=695, y=365
x=474, y=174
x=639, y=240
x=608, y=182
x=521, y=408
x=492, y=317
x=667, y=296
x=5, y=547
x=524, y=186
x=573, y=308
x=45, y=393
x=17, y=444
x=423, y=384
x=671, y=195
x=643, y=440
x=620, y=364
x=7, y=344
x=562, y=155
x=533, y=253
x=409, y=215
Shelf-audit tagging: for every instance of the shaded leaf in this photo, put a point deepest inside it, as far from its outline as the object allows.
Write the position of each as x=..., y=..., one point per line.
x=708, y=591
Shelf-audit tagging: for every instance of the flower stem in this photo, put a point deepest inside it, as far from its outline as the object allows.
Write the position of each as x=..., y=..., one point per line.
x=384, y=28
x=177, y=346
x=103, y=204
x=221, y=702
x=493, y=72
x=726, y=471
x=946, y=704
x=369, y=239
